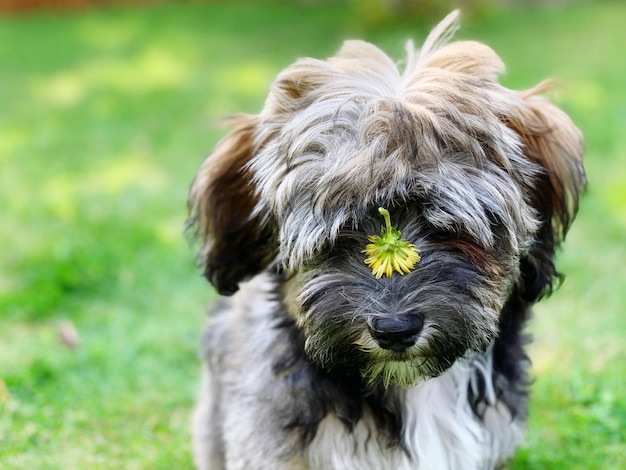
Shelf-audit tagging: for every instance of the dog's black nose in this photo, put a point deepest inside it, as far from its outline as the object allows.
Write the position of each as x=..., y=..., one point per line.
x=396, y=333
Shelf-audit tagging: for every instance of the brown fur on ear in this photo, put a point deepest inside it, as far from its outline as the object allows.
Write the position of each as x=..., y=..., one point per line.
x=236, y=244
x=551, y=140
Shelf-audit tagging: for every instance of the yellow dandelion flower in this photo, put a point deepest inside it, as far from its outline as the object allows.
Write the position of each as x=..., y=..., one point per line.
x=389, y=252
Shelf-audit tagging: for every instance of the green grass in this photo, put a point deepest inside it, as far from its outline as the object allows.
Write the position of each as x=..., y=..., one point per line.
x=105, y=115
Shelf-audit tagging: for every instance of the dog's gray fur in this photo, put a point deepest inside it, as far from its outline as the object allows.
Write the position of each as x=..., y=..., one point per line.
x=484, y=180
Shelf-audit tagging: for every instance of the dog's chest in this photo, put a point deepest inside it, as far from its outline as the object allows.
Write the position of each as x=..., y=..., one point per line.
x=334, y=447
x=440, y=431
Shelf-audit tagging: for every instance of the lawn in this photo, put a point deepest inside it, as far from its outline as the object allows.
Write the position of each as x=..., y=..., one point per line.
x=106, y=114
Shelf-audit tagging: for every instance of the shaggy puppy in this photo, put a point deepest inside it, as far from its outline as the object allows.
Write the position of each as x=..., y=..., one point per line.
x=355, y=347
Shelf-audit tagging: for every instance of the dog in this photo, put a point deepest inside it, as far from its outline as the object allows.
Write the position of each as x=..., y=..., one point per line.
x=379, y=235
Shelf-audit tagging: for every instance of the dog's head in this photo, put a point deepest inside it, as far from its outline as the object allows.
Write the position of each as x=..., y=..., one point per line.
x=483, y=180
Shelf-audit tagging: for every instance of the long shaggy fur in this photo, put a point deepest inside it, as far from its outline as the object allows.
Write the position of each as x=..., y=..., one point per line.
x=483, y=179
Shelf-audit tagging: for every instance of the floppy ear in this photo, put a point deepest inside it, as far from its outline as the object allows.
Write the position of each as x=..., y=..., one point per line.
x=551, y=140
x=236, y=243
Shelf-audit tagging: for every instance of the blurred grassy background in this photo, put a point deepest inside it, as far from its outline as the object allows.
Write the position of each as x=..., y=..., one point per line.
x=106, y=114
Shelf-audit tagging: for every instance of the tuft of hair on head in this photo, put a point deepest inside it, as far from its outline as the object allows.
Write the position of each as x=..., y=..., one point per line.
x=440, y=36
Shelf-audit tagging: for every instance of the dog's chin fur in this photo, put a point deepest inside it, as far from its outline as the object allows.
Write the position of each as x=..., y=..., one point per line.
x=484, y=180
x=402, y=372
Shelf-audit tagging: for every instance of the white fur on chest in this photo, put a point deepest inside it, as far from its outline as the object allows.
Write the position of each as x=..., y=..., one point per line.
x=441, y=432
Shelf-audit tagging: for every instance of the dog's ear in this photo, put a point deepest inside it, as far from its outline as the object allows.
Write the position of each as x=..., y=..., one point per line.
x=551, y=140
x=236, y=243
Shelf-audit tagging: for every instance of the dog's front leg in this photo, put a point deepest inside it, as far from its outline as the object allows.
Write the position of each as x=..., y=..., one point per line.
x=208, y=445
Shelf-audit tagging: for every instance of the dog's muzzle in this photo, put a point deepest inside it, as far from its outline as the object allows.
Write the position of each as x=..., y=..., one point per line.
x=396, y=333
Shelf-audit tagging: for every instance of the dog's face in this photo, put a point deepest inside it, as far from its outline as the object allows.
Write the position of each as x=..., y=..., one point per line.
x=484, y=181
x=404, y=327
